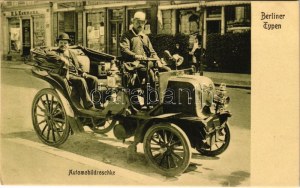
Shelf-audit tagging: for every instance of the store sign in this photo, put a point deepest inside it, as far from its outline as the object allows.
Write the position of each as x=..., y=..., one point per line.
x=23, y=13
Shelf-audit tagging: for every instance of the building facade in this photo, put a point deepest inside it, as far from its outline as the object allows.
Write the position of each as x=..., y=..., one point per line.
x=25, y=25
x=100, y=24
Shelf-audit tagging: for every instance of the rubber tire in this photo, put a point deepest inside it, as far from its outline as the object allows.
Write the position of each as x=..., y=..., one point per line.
x=66, y=131
x=221, y=149
x=184, y=139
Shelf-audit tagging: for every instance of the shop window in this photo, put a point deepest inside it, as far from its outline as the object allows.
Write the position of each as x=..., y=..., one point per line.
x=14, y=35
x=116, y=17
x=39, y=31
x=188, y=21
x=214, y=12
x=116, y=14
x=66, y=23
x=237, y=17
x=96, y=31
x=93, y=2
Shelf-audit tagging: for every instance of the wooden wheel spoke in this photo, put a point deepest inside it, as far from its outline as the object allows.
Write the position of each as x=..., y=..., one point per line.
x=41, y=115
x=59, y=120
x=44, y=128
x=177, y=156
x=59, y=112
x=178, y=149
x=56, y=129
x=161, y=140
x=48, y=132
x=157, y=142
x=168, y=161
x=42, y=122
x=43, y=110
x=51, y=106
x=53, y=134
x=164, y=136
x=177, y=142
x=171, y=138
x=155, y=148
x=162, y=159
x=173, y=160
x=57, y=125
x=44, y=104
x=156, y=155
x=55, y=108
x=48, y=102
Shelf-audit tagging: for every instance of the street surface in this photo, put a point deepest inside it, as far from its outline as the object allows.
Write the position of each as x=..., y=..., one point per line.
x=25, y=160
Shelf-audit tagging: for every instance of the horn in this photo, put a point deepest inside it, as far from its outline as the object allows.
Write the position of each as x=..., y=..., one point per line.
x=178, y=59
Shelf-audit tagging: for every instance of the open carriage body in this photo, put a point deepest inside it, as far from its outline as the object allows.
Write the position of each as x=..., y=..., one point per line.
x=189, y=111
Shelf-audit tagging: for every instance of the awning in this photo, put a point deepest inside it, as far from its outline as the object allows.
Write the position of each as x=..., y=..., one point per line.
x=224, y=3
x=179, y=6
x=201, y=4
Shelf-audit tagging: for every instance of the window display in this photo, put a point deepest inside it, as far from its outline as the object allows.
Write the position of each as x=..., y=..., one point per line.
x=188, y=21
x=96, y=31
x=39, y=31
x=237, y=17
x=14, y=35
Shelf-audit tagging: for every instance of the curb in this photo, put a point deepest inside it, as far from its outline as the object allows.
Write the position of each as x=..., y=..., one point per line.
x=235, y=86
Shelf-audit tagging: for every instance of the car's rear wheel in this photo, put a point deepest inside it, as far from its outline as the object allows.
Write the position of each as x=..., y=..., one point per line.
x=49, y=118
x=102, y=126
x=167, y=148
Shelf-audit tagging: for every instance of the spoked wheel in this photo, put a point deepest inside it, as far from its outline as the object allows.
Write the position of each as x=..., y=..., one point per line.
x=49, y=118
x=167, y=149
x=216, y=143
x=102, y=126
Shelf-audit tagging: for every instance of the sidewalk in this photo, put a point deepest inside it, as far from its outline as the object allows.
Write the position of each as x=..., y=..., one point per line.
x=231, y=79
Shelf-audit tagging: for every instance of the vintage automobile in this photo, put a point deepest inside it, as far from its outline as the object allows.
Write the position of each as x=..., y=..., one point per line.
x=189, y=112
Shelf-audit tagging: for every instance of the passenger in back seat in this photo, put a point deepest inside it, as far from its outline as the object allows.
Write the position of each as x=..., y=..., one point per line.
x=80, y=80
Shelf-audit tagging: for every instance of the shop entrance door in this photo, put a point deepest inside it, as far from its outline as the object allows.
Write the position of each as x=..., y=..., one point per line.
x=213, y=26
x=115, y=33
x=26, y=38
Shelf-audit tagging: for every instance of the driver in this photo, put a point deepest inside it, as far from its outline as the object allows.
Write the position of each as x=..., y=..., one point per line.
x=82, y=82
x=135, y=45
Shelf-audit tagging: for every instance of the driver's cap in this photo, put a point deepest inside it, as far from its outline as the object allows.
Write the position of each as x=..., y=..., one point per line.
x=140, y=16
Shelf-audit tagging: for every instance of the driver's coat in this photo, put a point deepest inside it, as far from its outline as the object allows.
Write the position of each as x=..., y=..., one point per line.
x=131, y=44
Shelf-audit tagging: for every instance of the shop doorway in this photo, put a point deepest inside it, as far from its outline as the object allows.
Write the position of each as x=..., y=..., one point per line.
x=213, y=26
x=115, y=33
x=26, y=37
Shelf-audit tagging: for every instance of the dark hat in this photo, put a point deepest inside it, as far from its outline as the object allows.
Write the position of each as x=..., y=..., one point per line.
x=63, y=36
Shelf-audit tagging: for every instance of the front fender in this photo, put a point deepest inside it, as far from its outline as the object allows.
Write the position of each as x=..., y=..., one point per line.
x=224, y=116
x=66, y=104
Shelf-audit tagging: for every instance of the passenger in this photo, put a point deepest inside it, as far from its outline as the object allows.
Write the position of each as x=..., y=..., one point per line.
x=82, y=82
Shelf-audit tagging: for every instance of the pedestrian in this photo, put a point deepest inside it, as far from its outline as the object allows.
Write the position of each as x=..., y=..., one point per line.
x=82, y=82
x=199, y=54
